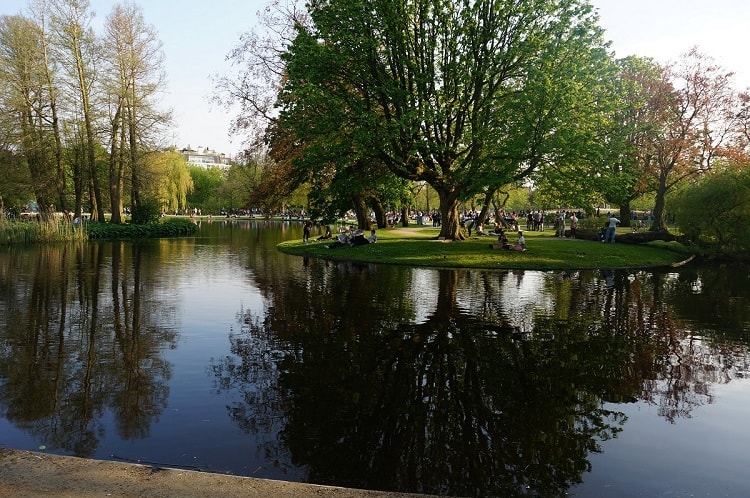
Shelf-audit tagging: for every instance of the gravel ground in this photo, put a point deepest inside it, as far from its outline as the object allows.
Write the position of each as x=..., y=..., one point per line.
x=32, y=474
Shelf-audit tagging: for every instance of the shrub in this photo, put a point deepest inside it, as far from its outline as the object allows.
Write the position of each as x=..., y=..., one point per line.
x=145, y=212
x=170, y=228
x=725, y=193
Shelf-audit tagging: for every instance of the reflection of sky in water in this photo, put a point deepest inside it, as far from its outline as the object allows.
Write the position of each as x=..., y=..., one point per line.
x=522, y=296
x=213, y=288
x=423, y=293
x=211, y=283
x=645, y=459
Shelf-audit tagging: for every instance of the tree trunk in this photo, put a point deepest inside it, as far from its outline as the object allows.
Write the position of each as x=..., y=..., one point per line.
x=97, y=205
x=450, y=229
x=97, y=208
x=486, y=205
x=660, y=208
x=94, y=212
x=380, y=217
x=363, y=216
x=60, y=177
x=78, y=181
x=625, y=212
x=115, y=168
x=135, y=181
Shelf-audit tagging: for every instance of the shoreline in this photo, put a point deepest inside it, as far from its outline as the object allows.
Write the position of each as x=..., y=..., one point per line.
x=32, y=474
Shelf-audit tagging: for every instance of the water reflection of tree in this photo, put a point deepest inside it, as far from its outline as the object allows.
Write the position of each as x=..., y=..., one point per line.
x=500, y=390
x=80, y=349
x=456, y=404
x=673, y=365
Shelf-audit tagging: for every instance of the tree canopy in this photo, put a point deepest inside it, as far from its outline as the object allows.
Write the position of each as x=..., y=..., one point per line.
x=464, y=96
x=79, y=108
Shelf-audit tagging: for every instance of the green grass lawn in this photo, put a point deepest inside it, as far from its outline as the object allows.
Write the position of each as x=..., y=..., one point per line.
x=417, y=246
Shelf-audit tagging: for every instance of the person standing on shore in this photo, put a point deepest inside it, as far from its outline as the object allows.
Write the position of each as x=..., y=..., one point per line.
x=609, y=236
x=573, y=225
x=306, y=231
x=560, y=224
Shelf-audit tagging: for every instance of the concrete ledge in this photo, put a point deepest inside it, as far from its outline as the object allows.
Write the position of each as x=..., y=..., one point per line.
x=33, y=474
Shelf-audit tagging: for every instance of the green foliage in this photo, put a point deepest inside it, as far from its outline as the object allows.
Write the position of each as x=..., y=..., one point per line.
x=450, y=105
x=147, y=211
x=623, y=175
x=15, y=182
x=644, y=203
x=169, y=228
x=715, y=210
x=206, y=184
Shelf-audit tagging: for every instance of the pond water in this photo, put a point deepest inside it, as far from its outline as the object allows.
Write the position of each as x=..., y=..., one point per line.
x=219, y=353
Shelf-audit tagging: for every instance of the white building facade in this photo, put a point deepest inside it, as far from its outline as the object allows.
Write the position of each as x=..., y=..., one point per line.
x=206, y=158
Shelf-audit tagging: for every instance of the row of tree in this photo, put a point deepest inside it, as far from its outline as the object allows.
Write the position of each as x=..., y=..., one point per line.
x=360, y=99
x=358, y=105
x=79, y=116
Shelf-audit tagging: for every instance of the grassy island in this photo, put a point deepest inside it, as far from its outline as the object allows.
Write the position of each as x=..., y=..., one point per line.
x=419, y=246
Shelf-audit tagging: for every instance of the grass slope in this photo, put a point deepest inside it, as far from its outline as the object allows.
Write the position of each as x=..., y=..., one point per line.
x=419, y=247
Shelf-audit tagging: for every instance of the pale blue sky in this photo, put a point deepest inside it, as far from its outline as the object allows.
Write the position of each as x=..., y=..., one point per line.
x=664, y=29
x=197, y=35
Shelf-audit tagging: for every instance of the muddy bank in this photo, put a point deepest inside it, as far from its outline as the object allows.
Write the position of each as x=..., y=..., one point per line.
x=33, y=474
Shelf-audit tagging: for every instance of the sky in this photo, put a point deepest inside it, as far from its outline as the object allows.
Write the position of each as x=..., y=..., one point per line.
x=198, y=34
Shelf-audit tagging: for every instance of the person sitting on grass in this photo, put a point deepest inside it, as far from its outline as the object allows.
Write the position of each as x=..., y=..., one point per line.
x=502, y=239
x=326, y=235
x=373, y=237
x=342, y=240
x=520, y=245
x=358, y=239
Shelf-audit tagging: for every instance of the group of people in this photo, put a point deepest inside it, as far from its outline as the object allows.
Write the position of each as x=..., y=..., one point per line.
x=560, y=221
x=607, y=233
x=352, y=237
x=355, y=237
x=520, y=244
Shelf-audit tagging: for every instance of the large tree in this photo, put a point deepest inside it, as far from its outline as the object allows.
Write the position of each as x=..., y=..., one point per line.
x=167, y=178
x=462, y=95
x=625, y=174
x=134, y=76
x=26, y=103
x=325, y=162
x=698, y=110
x=79, y=52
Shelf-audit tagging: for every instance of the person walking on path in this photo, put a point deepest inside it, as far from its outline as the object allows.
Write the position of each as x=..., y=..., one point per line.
x=609, y=236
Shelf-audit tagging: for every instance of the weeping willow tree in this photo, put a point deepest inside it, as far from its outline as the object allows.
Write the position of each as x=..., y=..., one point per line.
x=171, y=181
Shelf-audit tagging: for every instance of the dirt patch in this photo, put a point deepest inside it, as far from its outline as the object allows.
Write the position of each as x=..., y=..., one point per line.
x=32, y=474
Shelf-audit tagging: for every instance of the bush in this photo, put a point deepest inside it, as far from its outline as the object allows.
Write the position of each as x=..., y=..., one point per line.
x=724, y=193
x=146, y=212
x=170, y=228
